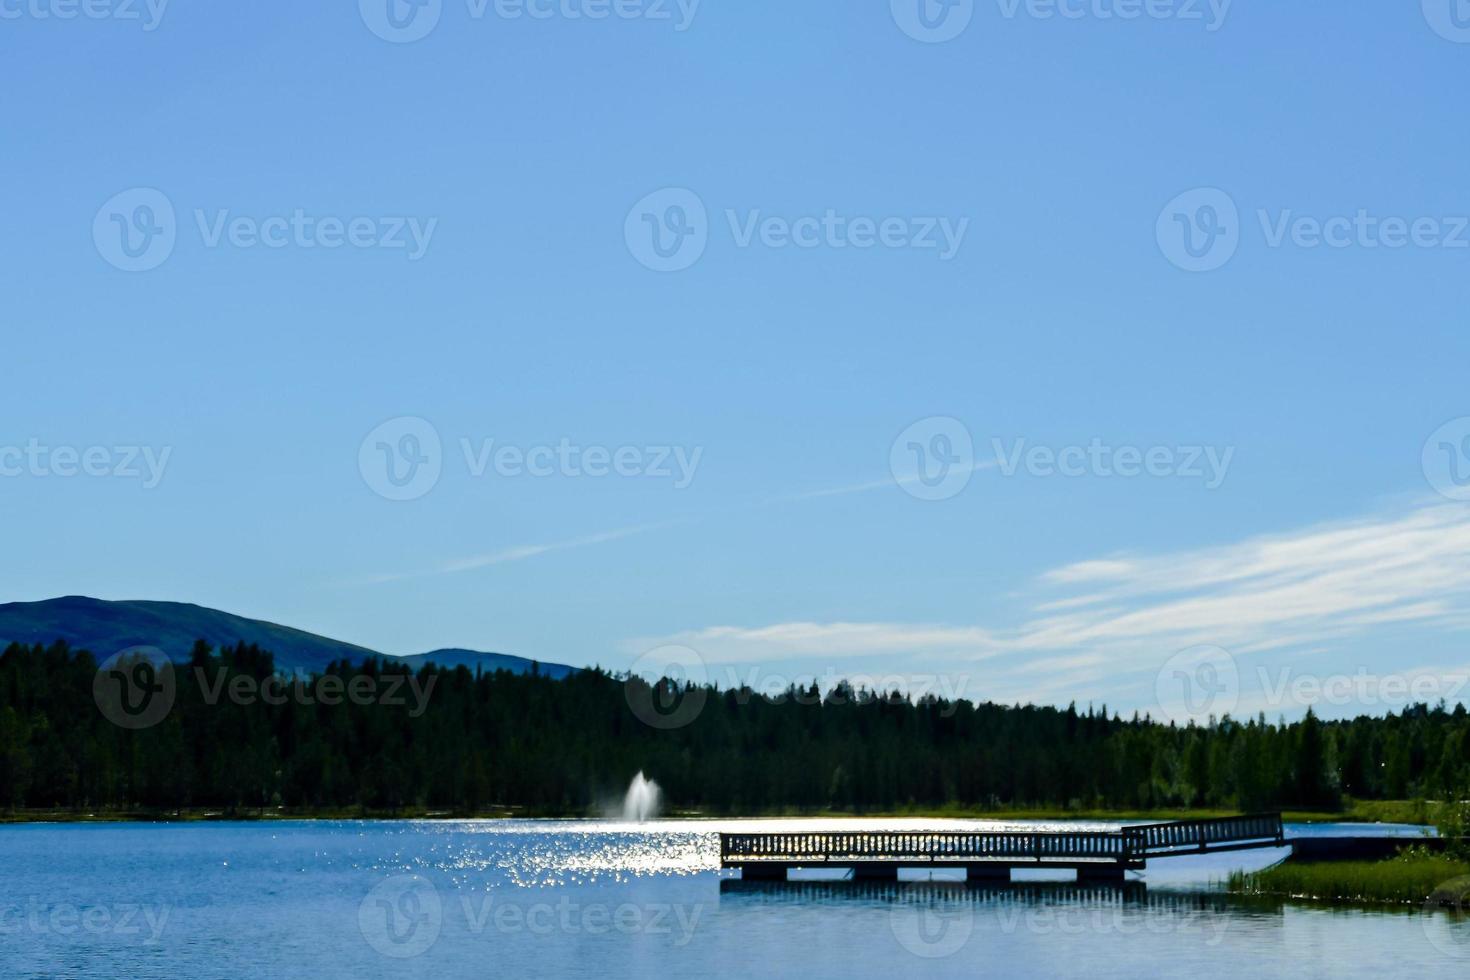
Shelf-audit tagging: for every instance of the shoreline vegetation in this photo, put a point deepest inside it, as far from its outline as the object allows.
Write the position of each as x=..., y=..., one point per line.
x=1415, y=877
x=227, y=735
x=1411, y=812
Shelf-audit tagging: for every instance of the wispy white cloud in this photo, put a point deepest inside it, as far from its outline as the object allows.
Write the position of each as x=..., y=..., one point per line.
x=887, y=483
x=1276, y=590
x=514, y=553
x=525, y=551
x=1094, y=622
x=735, y=644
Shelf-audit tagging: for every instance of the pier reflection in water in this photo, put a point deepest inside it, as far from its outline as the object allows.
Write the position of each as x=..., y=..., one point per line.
x=935, y=919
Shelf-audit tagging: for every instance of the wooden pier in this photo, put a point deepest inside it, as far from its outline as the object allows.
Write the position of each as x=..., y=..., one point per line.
x=993, y=855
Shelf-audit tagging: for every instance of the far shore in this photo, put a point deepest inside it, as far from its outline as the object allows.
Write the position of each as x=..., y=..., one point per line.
x=1375, y=811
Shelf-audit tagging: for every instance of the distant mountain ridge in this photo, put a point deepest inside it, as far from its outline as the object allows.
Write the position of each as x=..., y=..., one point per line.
x=489, y=661
x=106, y=626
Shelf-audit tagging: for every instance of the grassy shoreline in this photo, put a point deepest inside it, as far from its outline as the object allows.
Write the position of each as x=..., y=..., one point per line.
x=1377, y=811
x=1412, y=878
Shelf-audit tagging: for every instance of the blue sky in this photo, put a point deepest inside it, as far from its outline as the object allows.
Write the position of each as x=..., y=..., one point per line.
x=529, y=152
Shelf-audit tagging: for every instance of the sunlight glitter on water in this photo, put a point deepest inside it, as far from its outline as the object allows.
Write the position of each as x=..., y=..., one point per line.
x=552, y=852
x=534, y=853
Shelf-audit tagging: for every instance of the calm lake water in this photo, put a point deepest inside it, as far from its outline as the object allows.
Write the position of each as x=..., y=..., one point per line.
x=479, y=899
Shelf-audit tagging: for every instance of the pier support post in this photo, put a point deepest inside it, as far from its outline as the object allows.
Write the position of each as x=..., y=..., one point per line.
x=763, y=872
x=875, y=872
x=988, y=873
x=1101, y=872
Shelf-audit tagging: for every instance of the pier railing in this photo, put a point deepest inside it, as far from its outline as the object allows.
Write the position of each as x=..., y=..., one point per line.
x=1130, y=845
x=1224, y=833
x=925, y=846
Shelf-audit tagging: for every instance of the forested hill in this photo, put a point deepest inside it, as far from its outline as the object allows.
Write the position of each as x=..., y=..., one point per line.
x=106, y=627
x=232, y=736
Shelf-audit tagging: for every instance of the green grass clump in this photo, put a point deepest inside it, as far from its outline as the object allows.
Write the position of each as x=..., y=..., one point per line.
x=1410, y=878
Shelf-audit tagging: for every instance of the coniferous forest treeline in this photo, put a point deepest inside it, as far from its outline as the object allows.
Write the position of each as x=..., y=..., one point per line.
x=503, y=740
